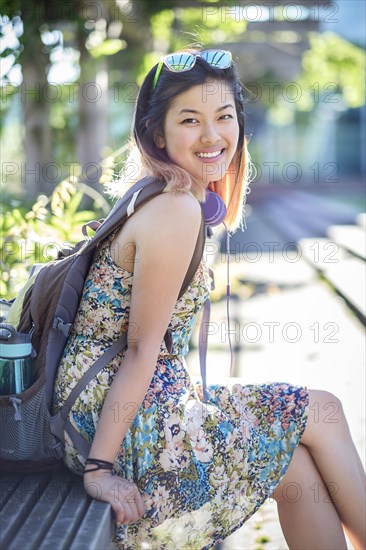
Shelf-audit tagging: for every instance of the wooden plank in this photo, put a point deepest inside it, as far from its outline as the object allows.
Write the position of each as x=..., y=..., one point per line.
x=62, y=532
x=96, y=530
x=8, y=484
x=19, y=506
x=349, y=279
x=347, y=273
x=321, y=252
x=43, y=513
x=351, y=237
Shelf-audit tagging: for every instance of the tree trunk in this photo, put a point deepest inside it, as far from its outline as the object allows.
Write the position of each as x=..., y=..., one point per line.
x=92, y=134
x=36, y=172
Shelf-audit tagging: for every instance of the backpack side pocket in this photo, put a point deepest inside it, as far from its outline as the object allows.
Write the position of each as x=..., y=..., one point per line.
x=25, y=429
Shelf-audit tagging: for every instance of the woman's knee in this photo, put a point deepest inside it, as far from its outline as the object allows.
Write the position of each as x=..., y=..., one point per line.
x=325, y=407
x=325, y=417
x=323, y=399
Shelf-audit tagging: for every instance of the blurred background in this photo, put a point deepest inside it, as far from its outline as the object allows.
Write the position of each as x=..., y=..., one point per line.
x=70, y=74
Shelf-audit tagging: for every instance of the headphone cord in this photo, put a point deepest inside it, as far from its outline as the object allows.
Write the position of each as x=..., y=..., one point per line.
x=228, y=294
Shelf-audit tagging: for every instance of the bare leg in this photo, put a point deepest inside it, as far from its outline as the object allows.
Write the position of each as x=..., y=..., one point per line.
x=307, y=515
x=328, y=439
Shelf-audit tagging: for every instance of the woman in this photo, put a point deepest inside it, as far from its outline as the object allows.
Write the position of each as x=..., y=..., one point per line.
x=189, y=473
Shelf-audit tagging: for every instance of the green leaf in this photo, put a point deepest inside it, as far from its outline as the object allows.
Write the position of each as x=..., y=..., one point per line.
x=84, y=216
x=108, y=47
x=74, y=203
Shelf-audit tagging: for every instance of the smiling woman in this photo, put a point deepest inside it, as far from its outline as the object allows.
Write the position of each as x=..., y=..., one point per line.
x=219, y=113
x=202, y=141
x=192, y=464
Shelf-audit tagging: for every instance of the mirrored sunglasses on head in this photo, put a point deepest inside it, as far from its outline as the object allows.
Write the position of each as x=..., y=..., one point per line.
x=179, y=62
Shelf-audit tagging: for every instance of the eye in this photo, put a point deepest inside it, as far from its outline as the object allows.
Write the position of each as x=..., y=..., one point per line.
x=189, y=121
x=226, y=117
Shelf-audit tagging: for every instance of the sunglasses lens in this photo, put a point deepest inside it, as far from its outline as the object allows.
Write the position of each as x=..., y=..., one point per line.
x=218, y=59
x=179, y=62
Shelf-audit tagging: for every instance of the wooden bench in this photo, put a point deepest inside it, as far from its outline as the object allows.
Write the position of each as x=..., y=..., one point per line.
x=351, y=238
x=52, y=510
x=341, y=261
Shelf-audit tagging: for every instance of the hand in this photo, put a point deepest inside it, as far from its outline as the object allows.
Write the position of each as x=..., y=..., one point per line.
x=123, y=495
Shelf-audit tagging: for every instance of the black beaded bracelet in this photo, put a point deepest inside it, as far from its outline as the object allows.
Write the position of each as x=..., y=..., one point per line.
x=99, y=465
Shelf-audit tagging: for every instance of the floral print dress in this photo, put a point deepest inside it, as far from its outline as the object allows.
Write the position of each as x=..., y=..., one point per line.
x=202, y=469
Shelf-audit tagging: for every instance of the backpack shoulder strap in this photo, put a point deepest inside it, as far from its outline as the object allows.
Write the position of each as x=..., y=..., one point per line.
x=196, y=258
x=140, y=193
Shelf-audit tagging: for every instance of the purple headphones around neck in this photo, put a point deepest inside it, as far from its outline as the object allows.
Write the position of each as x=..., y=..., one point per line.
x=214, y=208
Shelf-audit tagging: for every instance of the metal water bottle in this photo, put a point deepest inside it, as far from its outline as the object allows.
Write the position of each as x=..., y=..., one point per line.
x=16, y=365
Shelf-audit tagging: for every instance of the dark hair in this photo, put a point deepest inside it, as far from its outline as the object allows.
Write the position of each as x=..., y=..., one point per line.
x=145, y=158
x=152, y=105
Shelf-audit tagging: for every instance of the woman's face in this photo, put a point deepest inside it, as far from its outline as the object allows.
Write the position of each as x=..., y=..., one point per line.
x=201, y=131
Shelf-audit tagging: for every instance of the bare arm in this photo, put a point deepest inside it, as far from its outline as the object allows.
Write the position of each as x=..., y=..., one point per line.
x=164, y=248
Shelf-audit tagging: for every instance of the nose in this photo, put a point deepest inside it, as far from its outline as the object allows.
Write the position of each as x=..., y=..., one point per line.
x=209, y=134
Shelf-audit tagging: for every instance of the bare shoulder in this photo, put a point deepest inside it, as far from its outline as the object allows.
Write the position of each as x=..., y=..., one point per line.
x=169, y=205
x=171, y=218
x=166, y=219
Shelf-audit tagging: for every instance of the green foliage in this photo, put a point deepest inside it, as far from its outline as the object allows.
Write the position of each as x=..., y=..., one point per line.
x=215, y=27
x=177, y=28
x=108, y=47
x=161, y=27
x=334, y=72
x=332, y=59
x=36, y=235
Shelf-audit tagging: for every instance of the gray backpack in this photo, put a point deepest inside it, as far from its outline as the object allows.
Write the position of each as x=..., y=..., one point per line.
x=31, y=437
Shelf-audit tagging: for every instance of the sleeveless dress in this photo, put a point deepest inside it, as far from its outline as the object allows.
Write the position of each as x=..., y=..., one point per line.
x=202, y=469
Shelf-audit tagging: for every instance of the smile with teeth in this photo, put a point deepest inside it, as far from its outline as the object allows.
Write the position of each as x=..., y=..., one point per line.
x=211, y=155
